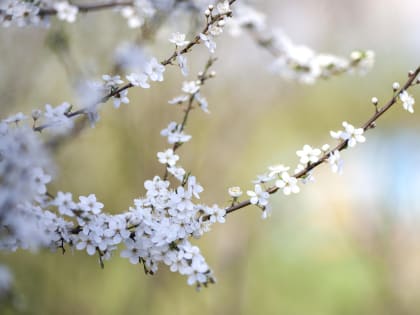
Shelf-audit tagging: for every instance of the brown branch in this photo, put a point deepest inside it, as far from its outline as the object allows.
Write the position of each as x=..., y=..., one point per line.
x=370, y=123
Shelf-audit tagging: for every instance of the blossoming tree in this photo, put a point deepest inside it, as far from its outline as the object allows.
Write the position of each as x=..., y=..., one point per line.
x=157, y=229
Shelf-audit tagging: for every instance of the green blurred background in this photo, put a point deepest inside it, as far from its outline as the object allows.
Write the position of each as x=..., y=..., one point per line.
x=345, y=245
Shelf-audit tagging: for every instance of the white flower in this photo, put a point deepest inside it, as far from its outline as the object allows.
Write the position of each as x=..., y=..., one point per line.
x=308, y=177
x=168, y=157
x=182, y=63
x=40, y=180
x=174, y=133
x=264, y=178
x=177, y=172
x=86, y=242
x=64, y=203
x=288, y=184
x=336, y=162
x=178, y=99
x=258, y=196
x=15, y=118
x=65, y=11
x=277, y=169
x=308, y=154
x=156, y=187
x=202, y=102
x=408, y=101
x=223, y=7
x=155, y=70
x=215, y=29
x=56, y=118
x=235, y=191
x=190, y=87
x=121, y=97
x=178, y=39
x=132, y=252
x=216, y=214
x=266, y=212
x=138, y=79
x=112, y=81
x=89, y=204
x=209, y=42
x=194, y=187
x=351, y=134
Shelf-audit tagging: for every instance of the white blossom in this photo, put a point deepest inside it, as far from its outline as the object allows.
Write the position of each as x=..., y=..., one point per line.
x=112, y=81
x=16, y=118
x=182, y=63
x=66, y=11
x=350, y=134
x=275, y=170
x=335, y=161
x=168, y=157
x=235, y=191
x=263, y=178
x=190, y=87
x=155, y=70
x=56, y=118
x=174, y=134
x=258, y=196
x=177, y=172
x=208, y=42
x=138, y=79
x=121, y=97
x=64, y=203
x=90, y=204
x=308, y=154
x=178, y=99
x=407, y=101
x=223, y=7
x=178, y=39
x=288, y=184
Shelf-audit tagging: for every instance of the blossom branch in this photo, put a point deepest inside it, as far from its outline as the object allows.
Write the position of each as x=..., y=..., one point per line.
x=211, y=20
x=369, y=124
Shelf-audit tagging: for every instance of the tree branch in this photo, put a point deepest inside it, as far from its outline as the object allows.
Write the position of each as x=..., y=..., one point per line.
x=369, y=124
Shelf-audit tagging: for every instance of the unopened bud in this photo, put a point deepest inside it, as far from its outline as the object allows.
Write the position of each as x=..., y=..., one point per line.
x=36, y=113
x=374, y=101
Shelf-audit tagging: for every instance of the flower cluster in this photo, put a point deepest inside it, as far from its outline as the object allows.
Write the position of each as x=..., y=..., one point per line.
x=297, y=62
x=158, y=228
x=278, y=176
x=20, y=13
x=350, y=134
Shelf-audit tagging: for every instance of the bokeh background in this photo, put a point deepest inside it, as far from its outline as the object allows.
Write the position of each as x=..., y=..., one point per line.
x=346, y=244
